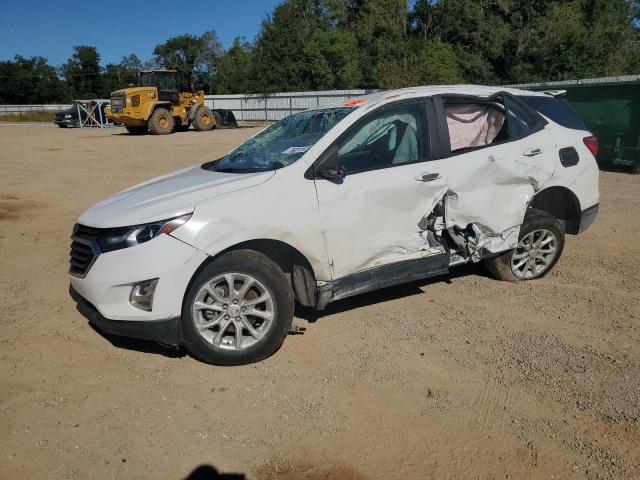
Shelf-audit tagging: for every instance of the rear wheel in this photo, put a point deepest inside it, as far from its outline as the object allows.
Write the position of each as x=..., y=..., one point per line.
x=161, y=122
x=137, y=129
x=204, y=119
x=238, y=309
x=539, y=248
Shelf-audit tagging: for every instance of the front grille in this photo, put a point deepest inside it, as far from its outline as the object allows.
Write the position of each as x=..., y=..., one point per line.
x=117, y=101
x=84, y=249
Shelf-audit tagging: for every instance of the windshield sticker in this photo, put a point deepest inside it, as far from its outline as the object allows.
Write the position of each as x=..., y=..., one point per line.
x=294, y=150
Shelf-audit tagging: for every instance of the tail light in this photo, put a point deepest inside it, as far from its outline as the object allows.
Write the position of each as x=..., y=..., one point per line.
x=591, y=143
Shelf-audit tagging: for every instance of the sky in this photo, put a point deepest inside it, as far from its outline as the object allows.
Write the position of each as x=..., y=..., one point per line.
x=50, y=28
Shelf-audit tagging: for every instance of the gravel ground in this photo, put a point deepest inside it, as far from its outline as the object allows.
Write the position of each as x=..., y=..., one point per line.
x=456, y=377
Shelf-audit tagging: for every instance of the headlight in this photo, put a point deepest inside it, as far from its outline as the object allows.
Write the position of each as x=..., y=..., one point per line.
x=118, y=238
x=67, y=116
x=135, y=101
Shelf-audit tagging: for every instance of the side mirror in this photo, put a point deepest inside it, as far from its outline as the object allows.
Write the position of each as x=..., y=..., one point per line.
x=335, y=174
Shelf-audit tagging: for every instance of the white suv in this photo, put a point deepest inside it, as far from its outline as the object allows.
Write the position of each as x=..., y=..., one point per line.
x=333, y=202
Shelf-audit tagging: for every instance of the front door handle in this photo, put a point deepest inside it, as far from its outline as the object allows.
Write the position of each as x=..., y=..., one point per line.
x=532, y=152
x=428, y=177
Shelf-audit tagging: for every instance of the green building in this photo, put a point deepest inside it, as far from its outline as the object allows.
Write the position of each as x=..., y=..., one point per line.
x=610, y=108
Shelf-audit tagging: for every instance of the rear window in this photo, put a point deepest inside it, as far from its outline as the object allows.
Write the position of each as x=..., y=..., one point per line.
x=557, y=109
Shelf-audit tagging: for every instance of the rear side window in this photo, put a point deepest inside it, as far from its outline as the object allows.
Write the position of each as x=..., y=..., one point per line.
x=557, y=109
x=475, y=123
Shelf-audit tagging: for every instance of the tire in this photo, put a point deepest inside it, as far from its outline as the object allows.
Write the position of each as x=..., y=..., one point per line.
x=204, y=120
x=538, y=226
x=160, y=122
x=217, y=341
x=62, y=125
x=218, y=118
x=136, y=130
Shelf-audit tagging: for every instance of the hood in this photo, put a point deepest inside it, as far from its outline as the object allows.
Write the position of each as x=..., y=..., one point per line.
x=167, y=196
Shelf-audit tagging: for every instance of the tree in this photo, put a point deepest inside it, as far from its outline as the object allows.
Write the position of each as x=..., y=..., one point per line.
x=195, y=58
x=30, y=81
x=280, y=57
x=333, y=59
x=120, y=75
x=82, y=73
x=584, y=38
x=431, y=63
x=233, y=74
x=211, y=53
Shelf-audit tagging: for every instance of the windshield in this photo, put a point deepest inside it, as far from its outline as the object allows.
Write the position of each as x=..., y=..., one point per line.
x=148, y=80
x=163, y=81
x=282, y=143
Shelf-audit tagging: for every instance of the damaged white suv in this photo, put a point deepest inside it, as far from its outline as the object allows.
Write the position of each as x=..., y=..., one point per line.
x=332, y=202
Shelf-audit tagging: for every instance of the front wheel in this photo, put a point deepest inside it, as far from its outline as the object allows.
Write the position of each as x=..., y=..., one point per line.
x=161, y=122
x=204, y=120
x=238, y=309
x=540, y=245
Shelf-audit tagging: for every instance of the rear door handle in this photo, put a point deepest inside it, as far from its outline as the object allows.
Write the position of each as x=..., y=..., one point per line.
x=532, y=152
x=428, y=177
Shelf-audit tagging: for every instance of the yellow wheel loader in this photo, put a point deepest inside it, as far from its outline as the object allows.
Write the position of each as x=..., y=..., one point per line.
x=158, y=107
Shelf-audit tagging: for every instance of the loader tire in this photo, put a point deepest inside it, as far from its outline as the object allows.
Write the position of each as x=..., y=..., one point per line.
x=204, y=120
x=161, y=122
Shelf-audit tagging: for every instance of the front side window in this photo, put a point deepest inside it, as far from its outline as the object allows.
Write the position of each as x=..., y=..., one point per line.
x=394, y=136
x=282, y=143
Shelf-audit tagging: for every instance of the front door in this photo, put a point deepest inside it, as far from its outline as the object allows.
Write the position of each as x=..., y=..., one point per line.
x=373, y=216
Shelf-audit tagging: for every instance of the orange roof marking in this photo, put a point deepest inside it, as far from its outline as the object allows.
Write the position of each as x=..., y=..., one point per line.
x=353, y=103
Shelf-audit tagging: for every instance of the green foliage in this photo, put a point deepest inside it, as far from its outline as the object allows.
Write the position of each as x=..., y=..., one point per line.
x=195, y=58
x=82, y=73
x=120, y=75
x=30, y=80
x=234, y=70
x=342, y=44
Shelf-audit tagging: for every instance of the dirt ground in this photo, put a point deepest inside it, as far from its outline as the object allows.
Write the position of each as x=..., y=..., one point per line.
x=457, y=377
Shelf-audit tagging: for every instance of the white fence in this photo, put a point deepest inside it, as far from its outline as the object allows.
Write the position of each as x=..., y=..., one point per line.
x=250, y=107
x=8, y=109
x=274, y=106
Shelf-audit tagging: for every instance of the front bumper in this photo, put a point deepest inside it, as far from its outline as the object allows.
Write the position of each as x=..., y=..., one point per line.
x=128, y=116
x=588, y=217
x=108, y=282
x=165, y=331
x=65, y=121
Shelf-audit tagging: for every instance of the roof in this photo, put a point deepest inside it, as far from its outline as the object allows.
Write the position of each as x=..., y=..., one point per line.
x=427, y=91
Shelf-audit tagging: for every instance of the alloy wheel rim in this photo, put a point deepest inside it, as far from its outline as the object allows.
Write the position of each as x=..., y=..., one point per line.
x=233, y=311
x=534, y=254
